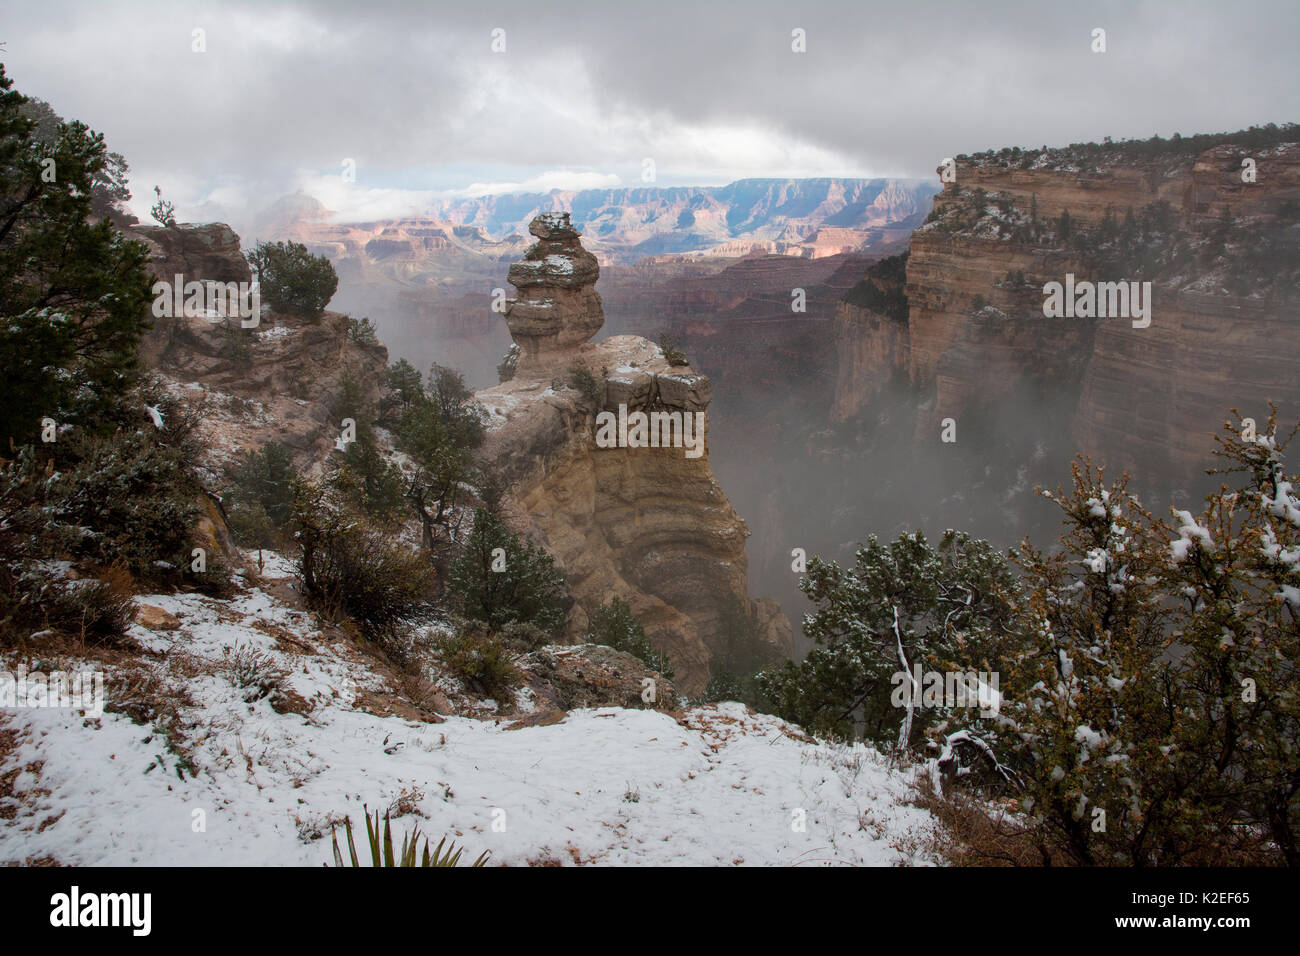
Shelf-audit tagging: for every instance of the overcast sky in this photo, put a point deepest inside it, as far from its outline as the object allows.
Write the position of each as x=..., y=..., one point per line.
x=584, y=92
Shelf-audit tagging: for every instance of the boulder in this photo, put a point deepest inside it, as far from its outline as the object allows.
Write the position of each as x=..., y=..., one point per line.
x=155, y=618
x=592, y=675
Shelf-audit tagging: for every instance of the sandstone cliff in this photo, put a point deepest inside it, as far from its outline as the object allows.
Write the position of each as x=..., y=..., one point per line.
x=1221, y=255
x=648, y=525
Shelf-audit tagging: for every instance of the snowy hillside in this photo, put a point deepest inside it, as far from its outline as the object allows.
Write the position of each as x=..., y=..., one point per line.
x=713, y=785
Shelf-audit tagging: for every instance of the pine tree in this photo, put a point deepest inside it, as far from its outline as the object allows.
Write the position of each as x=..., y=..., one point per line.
x=501, y=578
x=73, y=295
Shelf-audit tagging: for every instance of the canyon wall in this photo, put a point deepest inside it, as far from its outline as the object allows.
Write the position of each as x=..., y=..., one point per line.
x=1219, y=252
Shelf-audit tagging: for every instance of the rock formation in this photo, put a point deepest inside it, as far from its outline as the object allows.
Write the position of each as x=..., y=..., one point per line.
x=971, y=331
x=645, y=524
x=272, y=382
x=559, y=308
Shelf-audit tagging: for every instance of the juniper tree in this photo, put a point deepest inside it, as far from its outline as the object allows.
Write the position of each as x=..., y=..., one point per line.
x=292, y=280
x=1089, y=708
x=438, y=430
x=1158, y=718
x=614, y=625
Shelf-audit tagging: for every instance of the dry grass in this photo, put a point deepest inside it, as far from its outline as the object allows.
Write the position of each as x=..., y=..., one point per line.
x=974, y=833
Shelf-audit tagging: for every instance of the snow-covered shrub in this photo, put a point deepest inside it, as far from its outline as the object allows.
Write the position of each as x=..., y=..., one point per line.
x=523, y=637
x=1161, y=724
x=508, y=365
x=903, y=605
x=256, y=674
x=126, y=501
x=132, y=500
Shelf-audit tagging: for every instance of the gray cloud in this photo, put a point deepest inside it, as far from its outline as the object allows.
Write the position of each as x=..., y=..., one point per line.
x=710, y=91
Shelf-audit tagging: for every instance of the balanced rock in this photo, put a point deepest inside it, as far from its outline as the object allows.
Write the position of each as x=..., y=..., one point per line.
x=557, y=308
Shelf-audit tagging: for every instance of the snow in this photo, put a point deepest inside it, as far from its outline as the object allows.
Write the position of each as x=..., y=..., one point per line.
x=1189, y=533
x=1284, y=504
x=275, y=332
x=720, y=785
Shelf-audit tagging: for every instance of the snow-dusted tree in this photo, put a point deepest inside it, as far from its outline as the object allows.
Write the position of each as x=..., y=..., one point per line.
x=439, y=427
x=1093, y=727
x=1236, y=569
x=947, y=608
x=1162, y=725
x=74, y=292
x=501, y=578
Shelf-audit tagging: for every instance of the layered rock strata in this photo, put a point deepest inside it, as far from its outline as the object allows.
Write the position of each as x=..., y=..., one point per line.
x=649, y=525
x=972, y=330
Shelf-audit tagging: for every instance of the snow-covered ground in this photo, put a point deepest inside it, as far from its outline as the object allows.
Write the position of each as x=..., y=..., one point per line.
x=606, y=786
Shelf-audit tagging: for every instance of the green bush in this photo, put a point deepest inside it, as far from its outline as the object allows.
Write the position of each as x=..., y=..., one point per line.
x=438, y=430
x=370, y=480
x=592, y=388
x=483, y=663
x=945, y=607
x=362, y=331
x=508, y=365
x=132, y=500
x=349, y=567
x=123, y=502
x=523, y=637
x=292, y=280
x=672, y=352
x=260, y=501
x=724, y=685
x=405, y=382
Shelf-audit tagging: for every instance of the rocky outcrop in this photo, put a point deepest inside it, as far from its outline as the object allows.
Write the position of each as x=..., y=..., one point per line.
x=649, y=525
x=199, y=251
x=558, y=308
x=271, y=382
x=592, y=675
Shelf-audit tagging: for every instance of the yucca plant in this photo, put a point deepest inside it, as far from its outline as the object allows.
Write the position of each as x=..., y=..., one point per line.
x=381, y=848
